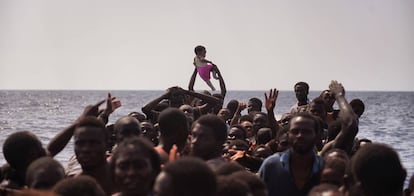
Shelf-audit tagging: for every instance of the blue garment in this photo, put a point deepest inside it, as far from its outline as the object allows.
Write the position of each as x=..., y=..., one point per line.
x=275, y=172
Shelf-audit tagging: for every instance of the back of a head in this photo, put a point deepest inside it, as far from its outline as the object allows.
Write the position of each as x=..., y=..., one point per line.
x=232, y=105
x=256, y=185
x=357, y=106
x=21, y=148
x=127, y=126
x=228, y=168
x=263, y=135
x=191, y=176
x=44, y=173
x=378, y=168
x=324, y=189
x=82, y=185
x=217, y=125
x=171, y=121
x=230, y=186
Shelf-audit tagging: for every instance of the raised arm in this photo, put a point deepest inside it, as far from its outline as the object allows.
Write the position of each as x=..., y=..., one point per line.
x=237, y=114
x=270, y=104
x=210, y=101
x=223, y=90
x=349, y=121
x=59, y=142
x=149, y=108
x=192, y=80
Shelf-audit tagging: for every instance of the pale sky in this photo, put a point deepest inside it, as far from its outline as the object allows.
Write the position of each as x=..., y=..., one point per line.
x=257, y=44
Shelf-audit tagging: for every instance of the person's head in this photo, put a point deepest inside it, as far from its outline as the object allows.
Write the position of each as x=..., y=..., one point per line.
x=318, y=108
x=248, y=126
x=176, y=99
x=259, y=121
x=209, y=133
x=81, y=185
x=329, y=99
x=139, y=116
x=240, y=145
x=301, y=91
x=378, y=170
x=173, y=127
x=134, y=166
x=149, y=132
x=231, y=186
x=232, y=106
x=357, y=106
x=263, y=135
x=224, y=114
x=228, y=168
x=325, y=189
x=44, y=173
x=189, y=113
x=254, y=105
x=188, y=176
x=22, y=148
x=126, y=127
x=262, y=151
x=237, y=132
x=256, y=185
x=90, y=143
x=335, y=167
x=200, y=51
x=302, y=134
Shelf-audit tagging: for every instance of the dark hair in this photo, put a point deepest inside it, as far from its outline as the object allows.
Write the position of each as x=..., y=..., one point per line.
x=191, y=176
x=317, y=126
x=232, y=105
x=81, y=185
x=128, y=126
x=92, y=121
x=21, y=148
x=199, y=49
x=306, y=85
x=378, y=168
x=246, y=117
x=256, y=185
x=172, y=120
x=217, y=125
x=231, y=186
x=357, y=102
x=256, y=101
x=263, y=135
x=228, y=168
x=43, y=164
x=238, y=126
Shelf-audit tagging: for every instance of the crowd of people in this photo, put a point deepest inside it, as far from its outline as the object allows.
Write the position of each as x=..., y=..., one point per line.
x=186, y=143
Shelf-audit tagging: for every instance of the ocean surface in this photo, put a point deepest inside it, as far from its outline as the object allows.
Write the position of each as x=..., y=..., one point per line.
x=388, y=117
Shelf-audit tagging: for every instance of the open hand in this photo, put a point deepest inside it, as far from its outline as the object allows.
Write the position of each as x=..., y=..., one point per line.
x=270, y=102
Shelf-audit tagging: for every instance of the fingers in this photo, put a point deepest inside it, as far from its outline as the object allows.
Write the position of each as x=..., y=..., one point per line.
x=99, y=103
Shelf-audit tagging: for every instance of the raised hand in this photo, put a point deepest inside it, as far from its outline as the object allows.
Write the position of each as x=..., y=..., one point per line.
x=112, y=104
x=336, y=88
x=270, y=102
x=241, y=107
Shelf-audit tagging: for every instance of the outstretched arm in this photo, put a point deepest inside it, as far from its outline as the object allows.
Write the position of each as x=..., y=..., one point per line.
x=344, y=140
x=62, y=138
x=270, y=103
x=149, y=108
x=210, y=101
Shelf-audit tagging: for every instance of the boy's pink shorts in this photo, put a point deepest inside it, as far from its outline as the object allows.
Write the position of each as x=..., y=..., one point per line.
x=204, y=71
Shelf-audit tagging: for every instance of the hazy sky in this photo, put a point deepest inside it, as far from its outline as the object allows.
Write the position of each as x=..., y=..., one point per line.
x=257, y=44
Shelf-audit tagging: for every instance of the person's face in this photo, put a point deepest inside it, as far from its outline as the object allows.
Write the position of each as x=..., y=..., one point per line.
x=302, y=135
x=224, y=114
x=329, y=98
x=259, y=121
x=133, y=172
x=236, y=134
x=317, y=110
x=301, y=93
x=203, y=142
x=248, y=126
x=128, y=131
x=253, y=106
x=90, y=146
x=163, y=185
x=148, y=131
